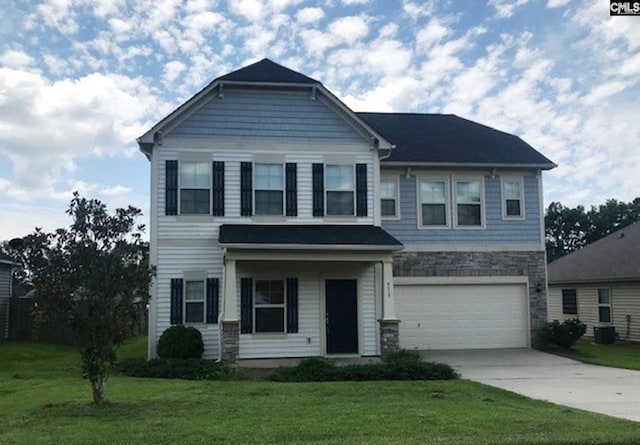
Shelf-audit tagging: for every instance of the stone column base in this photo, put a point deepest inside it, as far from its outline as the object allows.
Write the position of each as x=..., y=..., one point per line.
x=389, y=336
x=230, y=341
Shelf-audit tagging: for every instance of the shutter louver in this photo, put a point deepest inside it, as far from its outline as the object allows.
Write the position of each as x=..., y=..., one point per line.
x=246, y=305
x=213, y=296
x=291, y=183
x=218, y=188
x=361, y=190
x=246, y=189
x=176, y=300
x=318, y=189
x=171, y=188
x=292, y=305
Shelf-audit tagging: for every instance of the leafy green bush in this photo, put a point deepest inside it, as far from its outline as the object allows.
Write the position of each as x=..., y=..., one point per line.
x=188, y=369
x=180, y=342
x=564, y=334
x=403, y=365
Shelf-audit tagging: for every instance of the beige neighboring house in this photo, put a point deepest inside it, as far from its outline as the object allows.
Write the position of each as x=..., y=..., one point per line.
x=600, y=284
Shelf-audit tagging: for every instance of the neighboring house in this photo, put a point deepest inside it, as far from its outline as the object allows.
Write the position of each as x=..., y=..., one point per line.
x=600, y=284
x=283, y=224
x=5, y=294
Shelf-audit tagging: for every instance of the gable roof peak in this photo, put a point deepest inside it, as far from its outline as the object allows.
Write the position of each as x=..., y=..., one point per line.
x=268, y=71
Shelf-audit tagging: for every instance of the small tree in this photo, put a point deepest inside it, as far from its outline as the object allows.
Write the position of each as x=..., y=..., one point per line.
x=90, y=277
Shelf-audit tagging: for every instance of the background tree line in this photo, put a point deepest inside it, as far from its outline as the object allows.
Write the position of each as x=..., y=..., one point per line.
x=568, y=229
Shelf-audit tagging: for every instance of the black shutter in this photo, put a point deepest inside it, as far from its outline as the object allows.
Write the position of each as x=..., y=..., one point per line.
x=246, y=189
x=176, y=301
x=361, y=189
x=246, y=305
x=213, y=294
x=291, y=182
x=292, y=305
x=318, y=189
x=171, y=188
x=218, y=188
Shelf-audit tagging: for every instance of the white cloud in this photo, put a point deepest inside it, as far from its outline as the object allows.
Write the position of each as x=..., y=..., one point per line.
x=16, y=59
x=506, y=8
x=557, y=3
x=116, y=190
x=354, y=2
x=603, y=91
x=349, y=29
x=47, y=125
x=306, y=16
x=171, y=72
x=432, y=34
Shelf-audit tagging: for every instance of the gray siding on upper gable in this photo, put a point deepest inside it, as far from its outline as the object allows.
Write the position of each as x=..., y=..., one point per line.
x=266, y=115
x=497, y=231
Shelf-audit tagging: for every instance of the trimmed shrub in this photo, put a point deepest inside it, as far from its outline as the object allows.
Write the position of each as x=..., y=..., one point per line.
x=187, y=369
x=313, y=369
x=403, y=365
x=180, y=342
x=563, y=335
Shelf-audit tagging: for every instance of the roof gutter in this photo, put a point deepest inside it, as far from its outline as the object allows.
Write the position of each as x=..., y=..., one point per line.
x=469, y=164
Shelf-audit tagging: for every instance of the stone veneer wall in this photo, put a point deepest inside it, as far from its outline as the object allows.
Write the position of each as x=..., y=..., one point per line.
x=481, y=264
x=230, y=341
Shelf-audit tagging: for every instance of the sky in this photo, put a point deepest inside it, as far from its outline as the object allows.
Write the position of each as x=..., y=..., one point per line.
x=81, y=79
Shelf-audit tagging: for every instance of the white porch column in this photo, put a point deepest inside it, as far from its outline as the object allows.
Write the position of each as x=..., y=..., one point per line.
x=230, y=292
x=388, y=297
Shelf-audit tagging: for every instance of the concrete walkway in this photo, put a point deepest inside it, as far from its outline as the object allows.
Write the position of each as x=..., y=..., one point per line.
x=535, y=374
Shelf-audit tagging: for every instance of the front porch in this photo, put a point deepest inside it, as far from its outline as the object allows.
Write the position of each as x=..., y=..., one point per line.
x=284, y=301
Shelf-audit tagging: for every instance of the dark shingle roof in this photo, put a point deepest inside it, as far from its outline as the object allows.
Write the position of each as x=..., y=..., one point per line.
x=449, y=139
x=612, y=258
x=351, y=235
x=266, y=71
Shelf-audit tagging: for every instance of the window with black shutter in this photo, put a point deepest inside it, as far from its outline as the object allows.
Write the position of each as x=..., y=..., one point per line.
x=218, y=188
x=176, y=300
x=569, y=302
x=318, y=189
x=171, y=188
x=361, y=190
x=291, y=180
x=213, y=297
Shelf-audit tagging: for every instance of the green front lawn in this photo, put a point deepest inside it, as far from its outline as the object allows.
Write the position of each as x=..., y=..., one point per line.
x=618, y=355
x=44, y=400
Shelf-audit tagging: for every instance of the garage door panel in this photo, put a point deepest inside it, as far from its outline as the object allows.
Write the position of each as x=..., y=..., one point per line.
x=462, y=316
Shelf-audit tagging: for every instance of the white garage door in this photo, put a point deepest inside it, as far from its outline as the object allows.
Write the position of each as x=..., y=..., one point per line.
x=474, y=316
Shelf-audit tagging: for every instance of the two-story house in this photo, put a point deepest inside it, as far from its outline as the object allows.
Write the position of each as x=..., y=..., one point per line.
x=283, y=224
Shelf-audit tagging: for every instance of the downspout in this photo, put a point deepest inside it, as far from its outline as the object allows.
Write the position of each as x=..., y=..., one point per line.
x=221, y=305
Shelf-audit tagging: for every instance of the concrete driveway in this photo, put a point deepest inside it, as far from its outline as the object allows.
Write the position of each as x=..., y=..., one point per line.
x=535, y=374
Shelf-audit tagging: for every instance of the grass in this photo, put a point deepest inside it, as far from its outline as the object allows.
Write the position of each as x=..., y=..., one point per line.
x=44, y=400
x=618, y=355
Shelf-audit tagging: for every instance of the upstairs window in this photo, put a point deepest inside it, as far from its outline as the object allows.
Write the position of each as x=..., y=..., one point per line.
x=569, y=302
x=468, y=195
x=195, y=186
x=512, y=197
x=269, y=189
x=604, y=305
x=433, y=202
x=340, y=190
x=388, y=198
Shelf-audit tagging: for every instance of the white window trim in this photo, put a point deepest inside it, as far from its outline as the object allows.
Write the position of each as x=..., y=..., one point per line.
x=447, y=201
x=396, y=180
x=283, y=189
x=327, y=190
x=610, y=305
x=195, y=161
x=185, y=302
x=283, y=306
x=454, y=199
x=503, y=197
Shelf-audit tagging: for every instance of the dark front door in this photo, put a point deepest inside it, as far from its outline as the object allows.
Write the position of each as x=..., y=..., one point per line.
x=342, y=316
